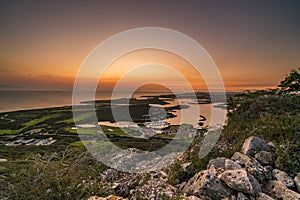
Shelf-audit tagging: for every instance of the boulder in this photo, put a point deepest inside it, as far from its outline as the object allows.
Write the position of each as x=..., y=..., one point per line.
x=283, y=177
x=219, y=165
x=231, y=165
x=262, y=196
x=297, y=182
x=278, y=190
x=241, y=181
x=204, y=183
x=251, y=165
x=253, y=145
x=265, y=158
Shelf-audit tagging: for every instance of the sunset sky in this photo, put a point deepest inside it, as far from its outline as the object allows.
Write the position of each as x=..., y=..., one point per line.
x=42, y=44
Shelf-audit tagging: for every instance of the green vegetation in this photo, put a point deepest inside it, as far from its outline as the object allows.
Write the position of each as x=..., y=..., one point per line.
x=291, y=83
x=273, y=115
x=26, y=125
x=64, y=169
x=71, y=174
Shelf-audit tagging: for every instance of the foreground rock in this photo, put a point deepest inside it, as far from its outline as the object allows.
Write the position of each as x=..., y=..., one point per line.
x=283, y=177
x=265, y=158
x=241, y=181
x=221, y=164
x=253, y=145
x=207, y=184
x=250, y=176
x=278, y=190
x=252, y=166
x=243, y=177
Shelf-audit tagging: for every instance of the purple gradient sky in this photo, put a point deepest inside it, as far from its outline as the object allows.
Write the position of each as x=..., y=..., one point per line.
x=254, y=43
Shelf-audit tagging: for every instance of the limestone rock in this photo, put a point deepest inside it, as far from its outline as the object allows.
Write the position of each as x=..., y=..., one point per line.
x=297, y=182
x=254, y=144
x=231, y=165
x=278, y=190
x=262, y=196
x=241, y=181
x=219, y=165
x=283, y=177
x=204, y=183
x=265, y=158
x=216, y=166
x=252, y=166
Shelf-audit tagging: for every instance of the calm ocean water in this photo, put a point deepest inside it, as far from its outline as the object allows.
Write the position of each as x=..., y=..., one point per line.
x=22, y=100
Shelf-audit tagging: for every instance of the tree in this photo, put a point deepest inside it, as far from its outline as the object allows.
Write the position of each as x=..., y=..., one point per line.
x=291, y=83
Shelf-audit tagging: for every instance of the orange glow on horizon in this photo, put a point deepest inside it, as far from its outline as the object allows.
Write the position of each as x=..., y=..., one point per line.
x=128, y=65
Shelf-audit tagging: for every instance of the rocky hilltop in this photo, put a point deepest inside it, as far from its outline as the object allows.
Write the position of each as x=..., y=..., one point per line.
x=249, y=174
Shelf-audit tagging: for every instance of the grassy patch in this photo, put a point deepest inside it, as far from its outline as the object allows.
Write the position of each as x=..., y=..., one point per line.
x=9, y=132
x=39, y=120
x=28, y=124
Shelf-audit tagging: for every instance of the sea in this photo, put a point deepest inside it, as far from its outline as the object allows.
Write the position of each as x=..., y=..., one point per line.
x=24, y=100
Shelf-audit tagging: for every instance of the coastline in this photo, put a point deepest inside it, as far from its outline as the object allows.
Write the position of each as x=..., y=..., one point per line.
x=12, y=101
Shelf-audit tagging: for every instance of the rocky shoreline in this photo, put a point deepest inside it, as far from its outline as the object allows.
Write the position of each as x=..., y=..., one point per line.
x=249, y=174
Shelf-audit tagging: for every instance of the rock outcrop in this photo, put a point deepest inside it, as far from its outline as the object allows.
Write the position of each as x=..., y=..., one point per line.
x=253, y=145
x=283, y=177
x=265, y=158
x=248, y=175
x=206, y=183
x=278, y=190
x=241, y=181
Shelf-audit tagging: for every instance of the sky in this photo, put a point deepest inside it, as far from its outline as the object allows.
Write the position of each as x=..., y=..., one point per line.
x=43, y=43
